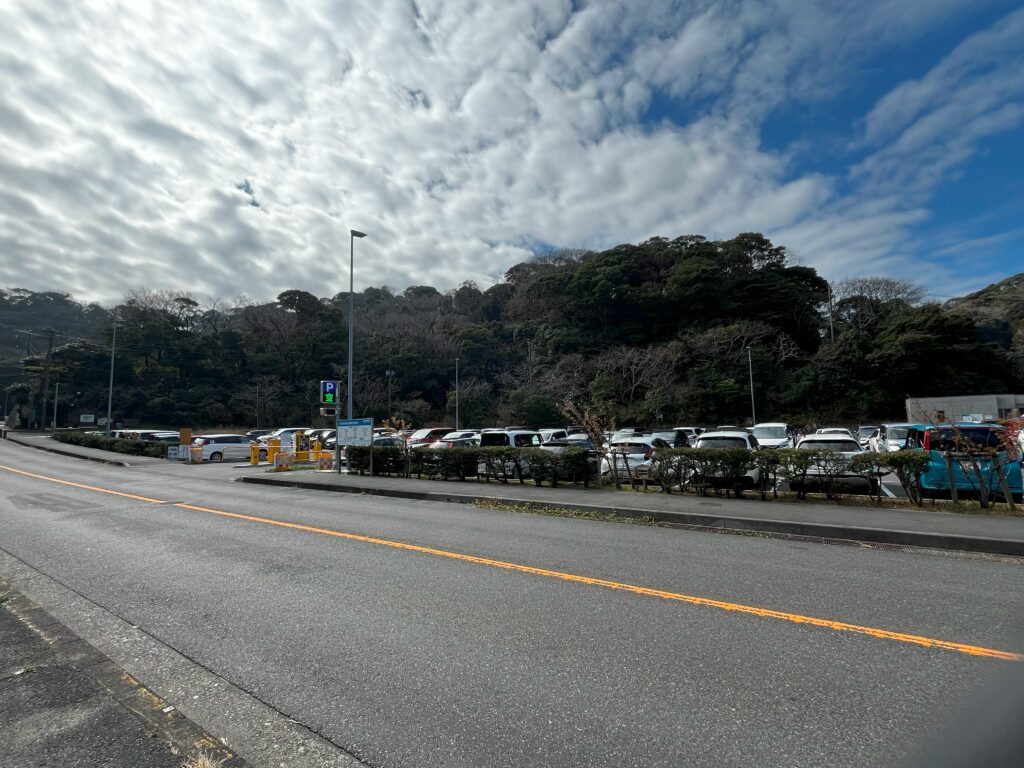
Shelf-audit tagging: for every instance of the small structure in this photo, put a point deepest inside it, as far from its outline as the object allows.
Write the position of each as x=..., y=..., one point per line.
x=927, y=410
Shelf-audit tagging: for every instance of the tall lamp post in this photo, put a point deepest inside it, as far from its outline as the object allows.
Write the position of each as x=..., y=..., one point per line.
x=750, y=364
x=353, y=234
x=456, y=394
x=110, y=386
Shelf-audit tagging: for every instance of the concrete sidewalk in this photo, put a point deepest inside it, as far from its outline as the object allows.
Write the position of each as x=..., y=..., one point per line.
x=62, y=702
x=910, y=527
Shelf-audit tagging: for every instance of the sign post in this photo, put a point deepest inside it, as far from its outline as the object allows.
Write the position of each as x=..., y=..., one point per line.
x=354, y=432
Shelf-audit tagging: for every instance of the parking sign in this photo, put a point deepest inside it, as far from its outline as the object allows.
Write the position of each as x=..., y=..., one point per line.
x=329, y=392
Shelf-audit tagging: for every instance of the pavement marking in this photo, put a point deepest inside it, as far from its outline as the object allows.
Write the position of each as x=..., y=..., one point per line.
x=795, y=618
x=81, y=485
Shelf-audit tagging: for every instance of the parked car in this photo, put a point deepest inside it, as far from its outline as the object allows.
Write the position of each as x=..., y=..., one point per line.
x=844, y=443
x=510, y=438
x=692, y=433
x=835, y=431
x=255, y=434
x=677, y=438
x=287, y=435
x=547, y=435
x=890, y=437
x=631, y=454
x=864, y=434
x=733, y=438
x=223, y=447
x=967, y=444
x=773, y=434
x=427, y=436
x=463, y=438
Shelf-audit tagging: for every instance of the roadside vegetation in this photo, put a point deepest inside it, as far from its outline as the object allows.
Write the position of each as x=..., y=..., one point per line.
x=651, y=333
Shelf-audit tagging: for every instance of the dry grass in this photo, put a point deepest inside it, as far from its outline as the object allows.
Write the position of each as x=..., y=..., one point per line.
x=202, y=760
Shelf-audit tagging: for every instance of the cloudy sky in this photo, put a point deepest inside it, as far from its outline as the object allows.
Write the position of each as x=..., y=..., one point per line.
x=226, y=147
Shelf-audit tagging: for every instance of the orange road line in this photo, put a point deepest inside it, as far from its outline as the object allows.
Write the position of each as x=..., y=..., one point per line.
x=796, y=618
x=82, y=485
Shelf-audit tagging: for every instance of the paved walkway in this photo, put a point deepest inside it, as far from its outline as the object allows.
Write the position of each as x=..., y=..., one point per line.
x=63, y=703
x=749, y=508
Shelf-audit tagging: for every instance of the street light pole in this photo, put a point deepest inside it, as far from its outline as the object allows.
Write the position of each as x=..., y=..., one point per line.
x=110, y=386
x=456, y=393
x=353, y=234
x=750, y=363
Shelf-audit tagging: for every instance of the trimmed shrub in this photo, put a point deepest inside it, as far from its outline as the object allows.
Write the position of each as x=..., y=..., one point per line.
x=908, y=466
x=120, y=445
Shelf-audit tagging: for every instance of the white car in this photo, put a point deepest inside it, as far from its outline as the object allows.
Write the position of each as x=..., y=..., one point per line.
x=547, y=435
x=223, y=447
x=890, y=437
x=835, y=431
x=848, y=446
x=631, y=454
x=733, y=439
x=462, y=439
x=773, y=434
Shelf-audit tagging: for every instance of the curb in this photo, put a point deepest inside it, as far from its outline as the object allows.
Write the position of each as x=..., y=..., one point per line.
x=1011, y=547
x=184, y=736
x=59, y=452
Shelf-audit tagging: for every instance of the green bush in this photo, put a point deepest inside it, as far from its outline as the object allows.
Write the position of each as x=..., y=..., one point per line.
x=795, y=465
x=120, y=445
x=768, y=462
x=870, y=466
x=672, y=467
x=908, y=466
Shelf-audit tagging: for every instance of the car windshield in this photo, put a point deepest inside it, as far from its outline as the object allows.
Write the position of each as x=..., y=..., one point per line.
x=867, y=431
x=846, y=446
x=631, y=448
x=896, y=433
x=770, y=433
x=419, y=434
x=721, y=442
x=491, y=439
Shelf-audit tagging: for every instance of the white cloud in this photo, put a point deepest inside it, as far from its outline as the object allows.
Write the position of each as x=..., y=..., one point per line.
x=454, y=133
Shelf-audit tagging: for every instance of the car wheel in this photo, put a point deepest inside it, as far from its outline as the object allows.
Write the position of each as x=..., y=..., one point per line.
x=216, y=456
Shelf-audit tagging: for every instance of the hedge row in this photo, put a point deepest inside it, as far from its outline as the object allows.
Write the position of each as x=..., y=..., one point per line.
x=824, y=470
x=699, y=469
x=502, y=464
x=120, y=445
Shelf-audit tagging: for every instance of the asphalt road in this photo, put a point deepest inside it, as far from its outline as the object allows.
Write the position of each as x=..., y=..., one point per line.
x=417, y=657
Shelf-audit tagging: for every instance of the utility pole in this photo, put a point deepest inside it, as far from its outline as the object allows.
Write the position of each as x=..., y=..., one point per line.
x=56, y=397
x=257, y=403
x=750, y=363
x=110, y=385
x=389, y=373
x=456, y=393
x=46, y=381
x=7, y=394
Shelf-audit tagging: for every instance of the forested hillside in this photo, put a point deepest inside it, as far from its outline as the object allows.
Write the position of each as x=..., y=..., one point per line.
x=656, y=332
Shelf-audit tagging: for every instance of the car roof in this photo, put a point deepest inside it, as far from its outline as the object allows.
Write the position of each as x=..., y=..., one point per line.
x=771, y=424
x=829, y=437
x=725, y=433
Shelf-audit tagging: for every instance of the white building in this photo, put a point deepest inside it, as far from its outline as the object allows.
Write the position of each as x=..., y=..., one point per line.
x=926, y=410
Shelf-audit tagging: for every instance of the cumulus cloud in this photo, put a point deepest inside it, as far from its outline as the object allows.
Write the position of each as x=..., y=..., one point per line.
x=226, y=147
